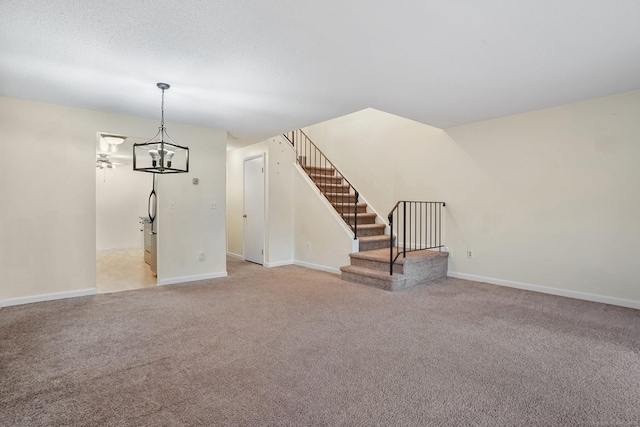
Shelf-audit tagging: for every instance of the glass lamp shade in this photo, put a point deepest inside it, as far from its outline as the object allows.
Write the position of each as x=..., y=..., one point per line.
x=160, y=155
x=113, y=140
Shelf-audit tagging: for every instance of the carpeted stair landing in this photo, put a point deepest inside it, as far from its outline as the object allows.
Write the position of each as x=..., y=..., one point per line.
x=371, y=268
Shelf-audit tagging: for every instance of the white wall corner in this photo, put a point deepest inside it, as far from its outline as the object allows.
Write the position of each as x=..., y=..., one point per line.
x=187, y=279
x=548, y=290
x=236, y=256
x=279, y=263
x=48, y=297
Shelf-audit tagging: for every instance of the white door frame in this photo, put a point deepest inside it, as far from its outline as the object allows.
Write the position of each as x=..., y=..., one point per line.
x=263, y=156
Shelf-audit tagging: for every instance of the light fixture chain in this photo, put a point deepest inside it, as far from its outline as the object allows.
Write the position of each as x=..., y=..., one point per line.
x=162, y=111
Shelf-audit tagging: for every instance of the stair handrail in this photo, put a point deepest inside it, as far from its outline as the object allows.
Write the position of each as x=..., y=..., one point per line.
x=422, y=231
x=308, y=156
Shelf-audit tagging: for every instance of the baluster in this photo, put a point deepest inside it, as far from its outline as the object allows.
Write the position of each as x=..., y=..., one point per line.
x=355, y=216
x=390, y=217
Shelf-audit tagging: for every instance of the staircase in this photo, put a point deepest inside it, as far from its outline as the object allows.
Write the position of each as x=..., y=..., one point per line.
x=332, y=186
x=376, y=264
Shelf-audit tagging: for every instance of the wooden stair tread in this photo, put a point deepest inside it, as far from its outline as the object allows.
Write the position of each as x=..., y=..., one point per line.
x=341, y=195
x=346, y=208
x=321, y=170
x=374, y=238
x=331, y=186
x=372, y=226
x=323, y=176
x=326, y=179
x=359, y=205
x=360, y=214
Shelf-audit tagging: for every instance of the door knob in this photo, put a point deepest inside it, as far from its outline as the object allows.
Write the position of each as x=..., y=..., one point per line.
x=244, y=216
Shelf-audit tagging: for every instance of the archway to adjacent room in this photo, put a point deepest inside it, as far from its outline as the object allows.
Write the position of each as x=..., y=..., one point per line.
x=124, y=255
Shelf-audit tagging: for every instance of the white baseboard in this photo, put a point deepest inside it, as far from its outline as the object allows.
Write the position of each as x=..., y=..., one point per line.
x=547, y=290
x=278, y=263
x=186, y=279
x=232, y=255
x=317, y=267
x=48, y=297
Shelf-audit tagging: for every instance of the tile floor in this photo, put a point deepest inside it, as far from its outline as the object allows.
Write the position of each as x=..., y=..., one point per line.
x=122, y=270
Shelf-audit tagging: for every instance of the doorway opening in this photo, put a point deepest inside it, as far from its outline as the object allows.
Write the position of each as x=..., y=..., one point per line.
x=122, y=258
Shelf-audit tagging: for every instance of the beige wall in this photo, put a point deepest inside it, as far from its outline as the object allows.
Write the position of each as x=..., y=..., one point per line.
x=193, y=226
x=322, y=239
x=279, y=160
x=546, y=200
x=48, y=193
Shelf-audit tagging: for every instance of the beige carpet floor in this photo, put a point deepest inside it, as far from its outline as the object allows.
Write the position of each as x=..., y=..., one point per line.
x=296, y=347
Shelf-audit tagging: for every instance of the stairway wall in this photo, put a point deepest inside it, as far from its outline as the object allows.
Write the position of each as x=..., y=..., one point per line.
x=546, y=200
x=322, y=239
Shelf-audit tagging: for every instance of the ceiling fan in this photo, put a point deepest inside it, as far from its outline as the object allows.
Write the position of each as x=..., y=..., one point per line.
x=103, y=162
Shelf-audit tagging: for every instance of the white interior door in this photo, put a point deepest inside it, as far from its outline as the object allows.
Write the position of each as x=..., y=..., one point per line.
x=254, y=210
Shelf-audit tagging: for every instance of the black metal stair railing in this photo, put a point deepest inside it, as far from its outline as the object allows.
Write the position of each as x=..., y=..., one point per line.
x=332, y=184
x=418, y=226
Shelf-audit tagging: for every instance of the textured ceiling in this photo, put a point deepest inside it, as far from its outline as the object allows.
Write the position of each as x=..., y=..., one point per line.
x=257, y=68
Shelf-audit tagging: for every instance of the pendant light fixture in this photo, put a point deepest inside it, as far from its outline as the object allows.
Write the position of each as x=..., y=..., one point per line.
x=161, y=154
